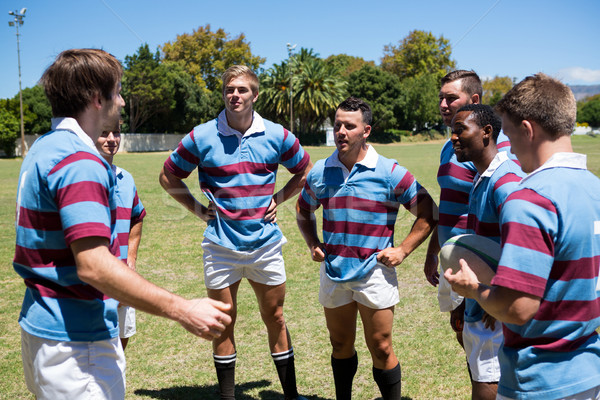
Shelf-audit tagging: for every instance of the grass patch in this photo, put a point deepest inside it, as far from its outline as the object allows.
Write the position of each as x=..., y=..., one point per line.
x=165, y=362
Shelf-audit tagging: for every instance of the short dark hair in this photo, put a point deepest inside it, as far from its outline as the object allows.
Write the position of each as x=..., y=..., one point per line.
x=484, y=115
x=544, y=100
x=356, y=104
x=470, y=81
x=76, y=76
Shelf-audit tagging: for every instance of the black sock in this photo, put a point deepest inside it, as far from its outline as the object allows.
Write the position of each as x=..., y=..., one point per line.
x=225, y=366
x=389, y=382
x=344, y=370
x=286, y=369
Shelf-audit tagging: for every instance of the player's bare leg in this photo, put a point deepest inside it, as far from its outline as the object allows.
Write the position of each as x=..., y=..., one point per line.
x=270, y=302
x=224, y=353
x=341, y=323
x=378, y=335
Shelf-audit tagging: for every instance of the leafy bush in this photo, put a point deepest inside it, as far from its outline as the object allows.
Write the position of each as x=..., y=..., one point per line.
x=9, y=131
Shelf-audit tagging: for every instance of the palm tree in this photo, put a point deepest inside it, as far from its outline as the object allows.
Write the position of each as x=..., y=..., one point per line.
x=317, y=90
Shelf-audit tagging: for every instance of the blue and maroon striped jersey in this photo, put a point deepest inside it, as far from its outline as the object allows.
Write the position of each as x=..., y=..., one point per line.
x=129, y=208
x=65, y=193
x=456, y=180
x=551, y=250
x=488, y=195
x=237, y=173
x=359, y=209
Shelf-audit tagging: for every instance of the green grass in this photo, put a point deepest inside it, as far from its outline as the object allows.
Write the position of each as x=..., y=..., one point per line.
x=166, y=362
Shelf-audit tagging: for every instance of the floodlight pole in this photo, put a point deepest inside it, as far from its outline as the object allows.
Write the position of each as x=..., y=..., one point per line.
x=290, y=59
x=19, y=15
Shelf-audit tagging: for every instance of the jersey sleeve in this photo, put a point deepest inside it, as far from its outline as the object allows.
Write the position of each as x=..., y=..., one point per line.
x=138, y=212
x=406, y=189
x=503, y=187
x=80, y=185
x=529, y=224
x=185, y=158
x=293, y=156
x=308, y=199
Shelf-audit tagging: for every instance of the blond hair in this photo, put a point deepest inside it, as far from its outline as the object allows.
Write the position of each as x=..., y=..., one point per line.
x=240, y=70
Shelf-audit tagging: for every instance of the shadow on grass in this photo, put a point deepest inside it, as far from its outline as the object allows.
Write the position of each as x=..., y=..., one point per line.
x=211, y=392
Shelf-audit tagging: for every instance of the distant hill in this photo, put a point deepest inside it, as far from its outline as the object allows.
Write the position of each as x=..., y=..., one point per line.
x=583, y=91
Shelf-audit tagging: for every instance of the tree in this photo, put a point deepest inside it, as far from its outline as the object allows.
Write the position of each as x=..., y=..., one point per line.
x=495, y=88
x=192, y=105
x=41, y=112
x=588, y=110
x=9, y=131
x=347, y=64
x=419, y=102
x=381, y=90
x=146, y=87
x=205, y=55
x=317, y=91
x=419, y=53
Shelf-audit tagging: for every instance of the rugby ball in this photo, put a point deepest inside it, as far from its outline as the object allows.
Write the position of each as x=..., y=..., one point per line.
x=481, y=253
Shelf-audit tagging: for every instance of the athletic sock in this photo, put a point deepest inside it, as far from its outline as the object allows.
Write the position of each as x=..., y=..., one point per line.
x=225, y=366
x=344, y=370
x=389, y=382
x=286, y=369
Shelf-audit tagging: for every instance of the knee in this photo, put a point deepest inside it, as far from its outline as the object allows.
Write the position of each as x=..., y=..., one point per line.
x=342, y=344
x=381, y=348
x=273, y=316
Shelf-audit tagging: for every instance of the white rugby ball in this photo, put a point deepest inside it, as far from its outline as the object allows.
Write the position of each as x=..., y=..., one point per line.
x=481, y=253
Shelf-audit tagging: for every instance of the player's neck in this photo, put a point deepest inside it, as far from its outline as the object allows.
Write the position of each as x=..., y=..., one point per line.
x=483, y=162
x=240, y=122
x=547, y=148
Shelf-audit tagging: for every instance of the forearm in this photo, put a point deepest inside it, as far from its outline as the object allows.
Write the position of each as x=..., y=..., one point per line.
x=293, y=186
x=505, y=304
x=178, y=190
x=308, y=226
x=135, y=236
x=426, y=213
x=433, y=248
x=99, y=268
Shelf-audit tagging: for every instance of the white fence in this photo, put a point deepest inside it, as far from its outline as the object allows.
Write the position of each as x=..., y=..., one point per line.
x=130, y=142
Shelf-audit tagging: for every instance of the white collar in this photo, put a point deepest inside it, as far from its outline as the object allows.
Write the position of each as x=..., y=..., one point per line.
x=116, y=170
x=564, y=160
x=258, y=125
x=498, y=159
x=370, y=160
x=71, y=124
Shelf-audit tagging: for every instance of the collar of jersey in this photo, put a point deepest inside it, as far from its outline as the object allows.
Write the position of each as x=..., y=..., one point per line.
x=562, y=160
x=71, y=125
x=370, y=160
x=258, y=125
x=500, y=157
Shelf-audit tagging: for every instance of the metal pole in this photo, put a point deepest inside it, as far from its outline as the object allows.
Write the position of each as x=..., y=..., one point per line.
x=23, y=148
x=290, y=60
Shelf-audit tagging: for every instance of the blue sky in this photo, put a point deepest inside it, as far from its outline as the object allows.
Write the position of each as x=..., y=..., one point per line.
x=494, y=37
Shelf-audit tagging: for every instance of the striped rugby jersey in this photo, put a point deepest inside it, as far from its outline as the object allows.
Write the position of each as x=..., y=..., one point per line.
x=65, y=193
x=551, y=249
x=129, y=208
x=486, y=198
x=237, y=172
x=456, y=180
x=359, y=209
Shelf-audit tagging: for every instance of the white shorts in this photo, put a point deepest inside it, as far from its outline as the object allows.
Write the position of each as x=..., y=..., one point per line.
x=126, y=321
x=377, y=290
x=591, y=394
x=223, y=267
x=448, y=299
x=57, y=370
x=482, y=345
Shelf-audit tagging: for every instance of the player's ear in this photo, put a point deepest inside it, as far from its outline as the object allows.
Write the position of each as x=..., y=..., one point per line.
x=475, y=98
x=488, y=131
x=528, y=129
x=367, y=131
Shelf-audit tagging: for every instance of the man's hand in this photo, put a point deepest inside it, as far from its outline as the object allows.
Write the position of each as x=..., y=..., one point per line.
x=207, y=213
x=431, y=269
x=206, y=318
x=392, y=256
x=464, y=282
x=317, y=252
x=271, y=214
x=488, y=321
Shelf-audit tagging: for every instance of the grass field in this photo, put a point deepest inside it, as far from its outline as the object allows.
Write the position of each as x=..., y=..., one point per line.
x=165, y=362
